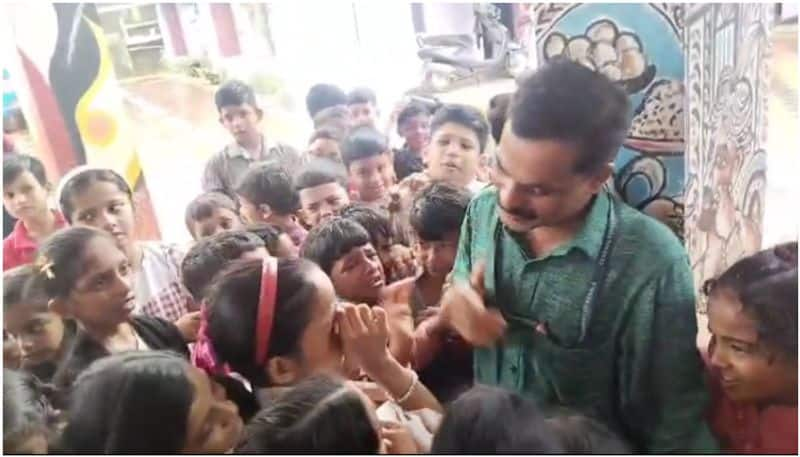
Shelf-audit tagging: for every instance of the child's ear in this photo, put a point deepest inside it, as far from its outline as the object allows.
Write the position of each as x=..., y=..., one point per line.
x=221, y=121
x=283, y=371
x=259, y=113
x=264, y=211
x=61, y=307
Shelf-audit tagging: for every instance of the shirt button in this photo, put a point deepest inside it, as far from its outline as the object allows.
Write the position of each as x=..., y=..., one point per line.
x=514, y=368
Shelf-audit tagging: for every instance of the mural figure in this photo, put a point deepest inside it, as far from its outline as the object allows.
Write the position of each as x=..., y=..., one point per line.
x=726, y=160
x=640, y=47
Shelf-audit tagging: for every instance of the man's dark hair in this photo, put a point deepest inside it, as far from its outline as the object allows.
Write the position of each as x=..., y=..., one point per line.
x=362, y=143
x=325, y=133
x=566, y=101
x=464, y=115
x=322, y=96
x=210, y=255
x=498, y=113
x=362, y=95
x=269, y=183
x=204, y=205
x=410, y=111
x=374, y=221
x=438, y=210
x=320, y=171
x=235, y=93
x=331, y=240
x=16, y=164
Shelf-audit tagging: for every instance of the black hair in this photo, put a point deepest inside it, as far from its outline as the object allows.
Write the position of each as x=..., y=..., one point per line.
x=82, y=180
x=463, y=115
x=438, y=210
x=15, y=281
x=204, y=205
x=321, y=96
x=60, y=260
x=332, y=239
x=320, y=171
x=336, y=118
x=362, y=95
x=566, y=101
x=410, y=111
x=579, y=434
x=269, y=233
x=16, y=164
x=210, y=255
x=374, y=221
x=489, y=420
x=233, y=310
x=269, y=183
x=765, y=284
x=132, y=402
x=318, y=415
x=26, y=409
x=362, y=143
x=325, y=133
x=498, y=113
x=234, y=93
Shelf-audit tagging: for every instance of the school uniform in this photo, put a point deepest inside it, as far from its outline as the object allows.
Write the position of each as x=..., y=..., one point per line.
x=152, y=333
x=19, y=248
x=158, y=286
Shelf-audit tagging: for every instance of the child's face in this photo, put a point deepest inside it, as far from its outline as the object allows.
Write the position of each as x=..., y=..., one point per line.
x=249, y=211
x=438, y=257
x=417, y=132
x=750, y=372
x=12, y=353
x=103, y=206
x=286, y=247
x=241, y=121
x=358, y=275
x=372, y=177
x=221, y=220
x=39, y=333
x=453, y=154
x=24, y=197
x=363, y=114
x=322, y=202
x=325, y=148
x=103, y=296
x=213, y=425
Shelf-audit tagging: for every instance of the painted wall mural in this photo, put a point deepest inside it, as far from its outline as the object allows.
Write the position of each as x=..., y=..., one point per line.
x=640, y=47
x=727, y=84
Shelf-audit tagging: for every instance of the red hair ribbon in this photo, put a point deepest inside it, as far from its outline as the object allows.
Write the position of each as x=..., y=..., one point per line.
x=266, y=307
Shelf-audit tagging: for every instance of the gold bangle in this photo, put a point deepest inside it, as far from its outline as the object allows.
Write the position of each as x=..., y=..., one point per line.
x=410, y=390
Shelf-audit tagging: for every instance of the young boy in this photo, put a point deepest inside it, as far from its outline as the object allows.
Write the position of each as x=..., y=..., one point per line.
x=413, y=125
x=321, y=96
x=322, y=188
x=363, y=106
x=25, y=189
x=458, y=139
x=443, y=360
x=368, y=160
x=342, y=249
x=397, y=260
x=324, y=143
x=240, y=115
x=266, y=194
x=212, y=213
x=278, y=242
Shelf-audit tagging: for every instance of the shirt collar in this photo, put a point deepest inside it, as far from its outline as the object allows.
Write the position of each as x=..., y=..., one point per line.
x=235, y=150
x=590, y=238
x=23, y=240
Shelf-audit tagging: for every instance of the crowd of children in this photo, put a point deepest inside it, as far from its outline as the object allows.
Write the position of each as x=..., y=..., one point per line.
x=305, y=316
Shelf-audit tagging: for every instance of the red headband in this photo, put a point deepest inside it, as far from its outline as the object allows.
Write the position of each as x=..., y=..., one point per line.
x=266, y=307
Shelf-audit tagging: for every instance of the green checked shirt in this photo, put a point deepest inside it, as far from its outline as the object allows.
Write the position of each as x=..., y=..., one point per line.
x=637, y=368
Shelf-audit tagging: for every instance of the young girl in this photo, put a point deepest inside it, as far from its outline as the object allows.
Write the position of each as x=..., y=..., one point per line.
x=100, y=198
x=276, y=322
x=324, y=415
x=26, y=415
x=43, y=336
x=87, y=278
x=149, y=403
x=752, y=317
x=25, y=190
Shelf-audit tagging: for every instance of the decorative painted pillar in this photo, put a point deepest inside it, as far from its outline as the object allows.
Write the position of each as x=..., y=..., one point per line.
x=225, y=28
x=172, y=20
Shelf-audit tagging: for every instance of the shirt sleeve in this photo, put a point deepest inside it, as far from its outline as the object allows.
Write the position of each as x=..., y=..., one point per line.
x=663, y=394
x=212, y=176
x=463, y=263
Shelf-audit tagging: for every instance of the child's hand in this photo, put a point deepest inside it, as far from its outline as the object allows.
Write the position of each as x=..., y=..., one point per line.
x=397, y=439
x=365, y=337
x=189, y=325
x=401, y=263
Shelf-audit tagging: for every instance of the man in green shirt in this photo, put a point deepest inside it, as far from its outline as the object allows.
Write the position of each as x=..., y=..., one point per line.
x=569, y=295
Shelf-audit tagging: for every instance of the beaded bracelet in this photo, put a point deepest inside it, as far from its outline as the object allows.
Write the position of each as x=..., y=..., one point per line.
x=410, y=390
